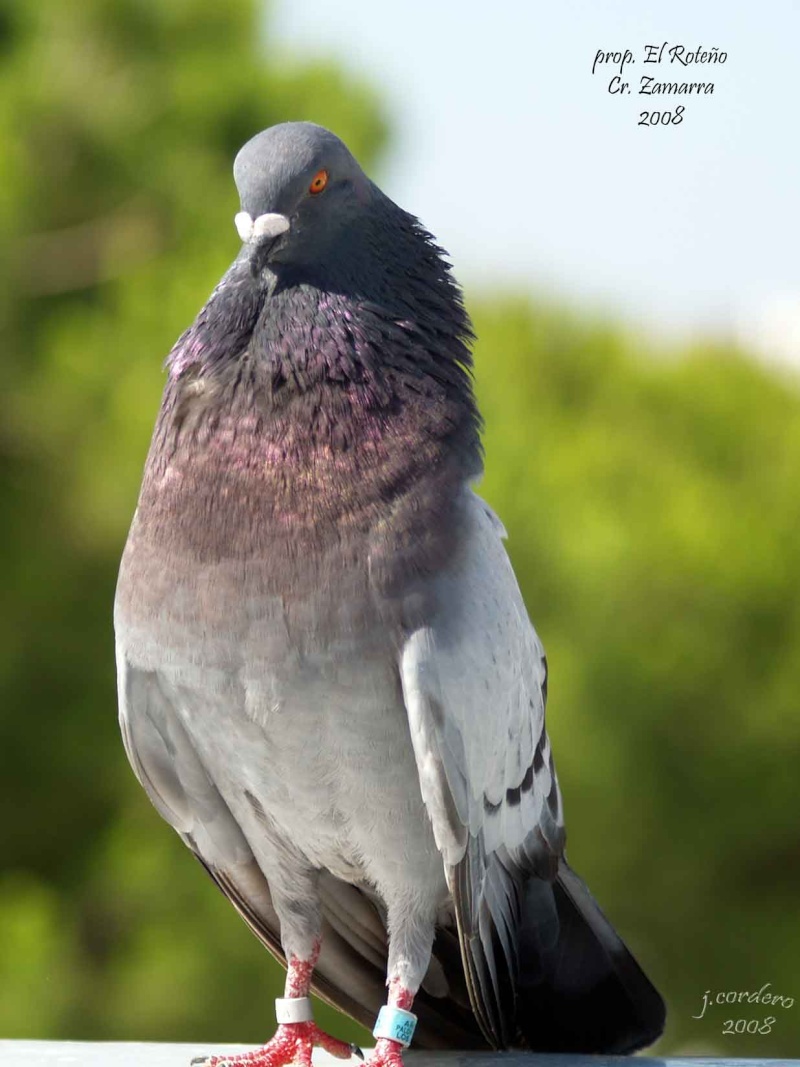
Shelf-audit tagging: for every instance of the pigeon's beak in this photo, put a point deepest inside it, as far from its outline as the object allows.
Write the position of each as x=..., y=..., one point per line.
x=262, y=230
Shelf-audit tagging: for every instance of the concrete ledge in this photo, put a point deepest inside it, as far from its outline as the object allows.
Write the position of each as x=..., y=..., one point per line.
x=134, y=1054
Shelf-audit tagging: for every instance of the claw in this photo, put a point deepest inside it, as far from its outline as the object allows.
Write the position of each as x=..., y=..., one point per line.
x=356, y=1051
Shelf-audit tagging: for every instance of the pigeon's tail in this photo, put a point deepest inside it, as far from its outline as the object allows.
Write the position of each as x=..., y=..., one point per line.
x=579, y=988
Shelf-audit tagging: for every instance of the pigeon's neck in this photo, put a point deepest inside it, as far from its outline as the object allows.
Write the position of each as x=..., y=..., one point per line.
x=315, y=412
x=378, y=308
x=356, y=351
x=223, y=330
x=360, y=344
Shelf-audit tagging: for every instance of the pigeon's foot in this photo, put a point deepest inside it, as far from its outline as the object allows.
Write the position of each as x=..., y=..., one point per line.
x=387, y=1053
x=292, y=1043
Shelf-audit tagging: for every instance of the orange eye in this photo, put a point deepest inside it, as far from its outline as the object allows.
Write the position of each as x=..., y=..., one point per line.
x=318, y=182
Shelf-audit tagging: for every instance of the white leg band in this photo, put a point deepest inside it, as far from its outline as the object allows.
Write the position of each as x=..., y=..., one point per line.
x=396, y=1024
x=293, y=1010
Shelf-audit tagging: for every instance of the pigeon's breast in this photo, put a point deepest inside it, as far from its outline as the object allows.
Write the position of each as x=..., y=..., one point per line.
x=333, y=512
x=314, y=751
x=294, y=707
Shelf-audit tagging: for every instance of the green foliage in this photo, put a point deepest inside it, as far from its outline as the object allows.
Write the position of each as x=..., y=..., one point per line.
x=650, y=501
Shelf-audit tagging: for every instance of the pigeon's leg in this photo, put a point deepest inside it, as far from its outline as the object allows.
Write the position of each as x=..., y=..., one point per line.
x=293, y=1042
x=410, y=942
x=387, y=1052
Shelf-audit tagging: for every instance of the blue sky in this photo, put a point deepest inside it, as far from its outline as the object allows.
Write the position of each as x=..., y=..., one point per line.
x=516, y=156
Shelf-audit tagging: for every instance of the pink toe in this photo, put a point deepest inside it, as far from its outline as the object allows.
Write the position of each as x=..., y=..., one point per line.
x=292, y=1043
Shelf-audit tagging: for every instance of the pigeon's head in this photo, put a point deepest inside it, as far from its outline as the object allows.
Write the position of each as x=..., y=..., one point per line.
x=300, y=189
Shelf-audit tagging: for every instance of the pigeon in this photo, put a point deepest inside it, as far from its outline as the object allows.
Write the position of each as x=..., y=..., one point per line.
x=328, y=682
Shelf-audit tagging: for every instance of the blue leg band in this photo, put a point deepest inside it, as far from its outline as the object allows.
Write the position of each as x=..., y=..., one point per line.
x=396, y=1024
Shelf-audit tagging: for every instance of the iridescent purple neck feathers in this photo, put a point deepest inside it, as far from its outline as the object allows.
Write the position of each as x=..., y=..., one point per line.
x=379, y=309
x=304, y=404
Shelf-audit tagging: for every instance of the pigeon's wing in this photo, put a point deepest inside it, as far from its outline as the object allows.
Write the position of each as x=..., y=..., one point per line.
x=474, y=680
x=545, y=968
x=351, y=970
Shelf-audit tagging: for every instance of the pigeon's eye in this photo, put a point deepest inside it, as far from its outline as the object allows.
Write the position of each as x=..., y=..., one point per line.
x=318, y=182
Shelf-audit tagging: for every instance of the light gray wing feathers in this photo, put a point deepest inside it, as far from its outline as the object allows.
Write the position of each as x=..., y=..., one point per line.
x=474, y=685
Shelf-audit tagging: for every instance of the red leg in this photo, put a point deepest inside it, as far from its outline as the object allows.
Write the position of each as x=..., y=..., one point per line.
x=293, y=1042
x=388, y=1053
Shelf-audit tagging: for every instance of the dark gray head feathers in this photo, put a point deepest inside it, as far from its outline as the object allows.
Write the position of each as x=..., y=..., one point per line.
x=274, y=169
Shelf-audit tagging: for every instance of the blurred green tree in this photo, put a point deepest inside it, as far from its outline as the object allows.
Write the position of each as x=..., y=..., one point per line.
x=651, y=505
